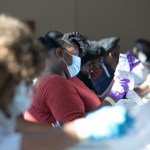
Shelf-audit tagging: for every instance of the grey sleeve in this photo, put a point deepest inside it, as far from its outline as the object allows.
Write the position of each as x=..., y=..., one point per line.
x=10, y=141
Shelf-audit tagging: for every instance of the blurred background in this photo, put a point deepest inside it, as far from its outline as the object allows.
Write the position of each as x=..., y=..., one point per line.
x=96, y=19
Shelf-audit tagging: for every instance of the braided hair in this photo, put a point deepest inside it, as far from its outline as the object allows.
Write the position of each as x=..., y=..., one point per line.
x=79, y=40
x=95, y=48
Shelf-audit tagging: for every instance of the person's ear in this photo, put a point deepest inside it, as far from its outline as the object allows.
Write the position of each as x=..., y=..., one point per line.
x=88, y=66
x=58, y=52
x=110, y=54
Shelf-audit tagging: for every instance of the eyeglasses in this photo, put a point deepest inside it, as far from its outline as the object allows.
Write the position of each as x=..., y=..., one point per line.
x=75, y=53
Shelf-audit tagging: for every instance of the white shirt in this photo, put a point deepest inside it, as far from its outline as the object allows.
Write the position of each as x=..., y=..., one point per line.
x=140, y=74
x=9, y=139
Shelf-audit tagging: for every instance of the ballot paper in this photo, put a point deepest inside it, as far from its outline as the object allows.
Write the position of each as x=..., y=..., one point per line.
x=132, y=98
x=123, y=69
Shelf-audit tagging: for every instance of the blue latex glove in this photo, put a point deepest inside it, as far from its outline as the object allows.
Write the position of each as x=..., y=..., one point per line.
x=104, y=123
x=131, y=61
x=119, y=88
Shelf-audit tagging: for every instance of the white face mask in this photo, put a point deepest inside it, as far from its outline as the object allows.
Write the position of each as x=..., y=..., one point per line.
x=74, y=68
x=21, y=101
x=142, y=57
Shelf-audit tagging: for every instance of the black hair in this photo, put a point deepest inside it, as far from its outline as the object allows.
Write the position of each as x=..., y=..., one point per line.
x=79, y=40
x=51, y=40
x=55, y=39
x=109, y=43
x=94, y=51
x=145, y=43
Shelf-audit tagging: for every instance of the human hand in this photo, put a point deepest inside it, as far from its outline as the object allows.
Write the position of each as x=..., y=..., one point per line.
x=104, y=123
x=96, y=72
x=131, y=61
x=119, y=88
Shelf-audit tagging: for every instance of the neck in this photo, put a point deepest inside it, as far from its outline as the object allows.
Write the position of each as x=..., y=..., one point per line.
x=49, y=71
x=67, y=75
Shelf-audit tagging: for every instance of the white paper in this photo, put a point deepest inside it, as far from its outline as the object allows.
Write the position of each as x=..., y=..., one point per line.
x=123, y=63
x=124, y=71
x=132, y=95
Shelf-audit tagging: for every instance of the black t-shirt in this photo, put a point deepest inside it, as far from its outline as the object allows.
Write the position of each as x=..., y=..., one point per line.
x=86, y=81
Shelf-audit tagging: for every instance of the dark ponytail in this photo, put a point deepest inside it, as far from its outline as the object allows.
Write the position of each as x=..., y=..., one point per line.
x=51, y=40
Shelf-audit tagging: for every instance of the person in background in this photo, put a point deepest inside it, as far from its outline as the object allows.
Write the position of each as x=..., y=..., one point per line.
x=90, y=67
x=141, y=50
x=59, y=95
x=88, y=62
x=103, y=76
x=107, y=64
x=22, y=58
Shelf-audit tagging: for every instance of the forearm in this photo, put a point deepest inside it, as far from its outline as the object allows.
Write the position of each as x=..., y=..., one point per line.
x=142, y=89
x=106, y=93
x=28, y=127
x=103, y=104
x=103, y=97
x=54, y=139
x=38, y=136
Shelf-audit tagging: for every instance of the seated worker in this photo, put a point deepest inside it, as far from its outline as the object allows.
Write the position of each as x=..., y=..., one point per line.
x=141, y=50
x=140, y=73
x=107, y=64
x=22, y=58
x=59, y=95
x=90, y=67
x=88, y=62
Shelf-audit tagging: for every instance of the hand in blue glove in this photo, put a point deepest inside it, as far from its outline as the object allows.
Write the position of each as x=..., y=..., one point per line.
x=104, y=123
x=131, y=61
x=119, y=88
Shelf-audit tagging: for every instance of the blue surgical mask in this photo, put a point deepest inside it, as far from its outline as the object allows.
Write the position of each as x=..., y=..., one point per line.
x=74, y=68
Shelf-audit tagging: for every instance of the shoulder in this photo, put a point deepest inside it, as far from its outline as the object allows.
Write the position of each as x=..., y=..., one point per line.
x=57, y=80
x=51, y=79
x=54, y=82
x=76, y=81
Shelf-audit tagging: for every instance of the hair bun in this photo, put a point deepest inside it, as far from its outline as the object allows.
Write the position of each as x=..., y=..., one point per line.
x=95, y=48
x=79, y=39
x=51, y=39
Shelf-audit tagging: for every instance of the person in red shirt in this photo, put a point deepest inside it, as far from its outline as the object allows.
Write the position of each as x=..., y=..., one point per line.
x=59, y=95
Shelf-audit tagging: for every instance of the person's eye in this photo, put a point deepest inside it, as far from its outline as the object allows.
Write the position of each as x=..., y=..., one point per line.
x=76, y=53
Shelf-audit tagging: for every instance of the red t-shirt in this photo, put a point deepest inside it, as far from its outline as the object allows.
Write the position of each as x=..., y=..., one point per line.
x=56, y=98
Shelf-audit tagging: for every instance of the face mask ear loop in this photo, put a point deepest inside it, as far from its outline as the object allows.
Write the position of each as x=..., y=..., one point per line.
x=63, y=59
x=64, y=62
x=67, y=53
x=105, y=69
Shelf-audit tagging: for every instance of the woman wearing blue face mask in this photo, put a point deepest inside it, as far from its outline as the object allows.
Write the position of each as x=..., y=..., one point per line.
x=59, y=95
x=21, y=60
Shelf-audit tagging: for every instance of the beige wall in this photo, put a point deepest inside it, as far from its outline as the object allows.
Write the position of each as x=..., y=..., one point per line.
x=97, y=19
